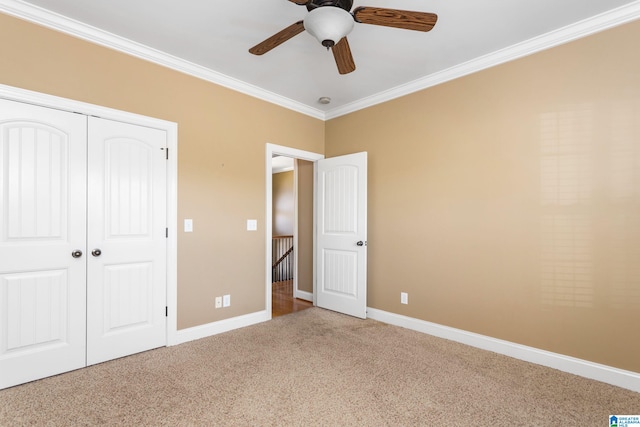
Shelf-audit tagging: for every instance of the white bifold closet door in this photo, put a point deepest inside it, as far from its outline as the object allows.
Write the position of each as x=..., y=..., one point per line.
x=82, y=241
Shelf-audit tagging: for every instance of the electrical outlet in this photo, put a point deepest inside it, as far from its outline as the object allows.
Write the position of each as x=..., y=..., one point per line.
x=218, y=302
x=404, y=298
x=226, y=300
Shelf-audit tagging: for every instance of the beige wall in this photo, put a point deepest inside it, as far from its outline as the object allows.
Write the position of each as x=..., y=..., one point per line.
x=507, y=202
x=221, y=176
x=304, y=170
x=283, y=207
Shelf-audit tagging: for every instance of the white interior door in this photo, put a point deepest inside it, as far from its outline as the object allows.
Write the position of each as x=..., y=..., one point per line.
x=341, y=244
x=126, y=294
x=42, y=222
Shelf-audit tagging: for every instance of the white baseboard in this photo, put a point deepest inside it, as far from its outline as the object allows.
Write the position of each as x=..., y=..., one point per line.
x=607, y=374
x=214, y=328
x=307, y=296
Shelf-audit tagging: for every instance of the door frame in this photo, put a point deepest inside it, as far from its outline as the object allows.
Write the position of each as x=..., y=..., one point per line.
x=171, y=128
x=280, y=150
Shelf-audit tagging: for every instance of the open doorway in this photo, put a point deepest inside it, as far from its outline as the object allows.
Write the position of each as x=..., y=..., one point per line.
x=292, y=220
x=290, y=231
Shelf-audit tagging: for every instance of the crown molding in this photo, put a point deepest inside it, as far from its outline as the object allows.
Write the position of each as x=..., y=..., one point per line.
x=54, y=21
x=604, y=21
x=581, y=29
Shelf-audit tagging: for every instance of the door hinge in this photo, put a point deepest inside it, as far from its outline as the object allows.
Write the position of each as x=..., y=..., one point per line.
x=166, y=232
x=166, y=311
x=167, y=152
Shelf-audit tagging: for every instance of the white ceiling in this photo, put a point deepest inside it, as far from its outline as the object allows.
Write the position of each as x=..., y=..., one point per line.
x=281, y=164
x=211, y=38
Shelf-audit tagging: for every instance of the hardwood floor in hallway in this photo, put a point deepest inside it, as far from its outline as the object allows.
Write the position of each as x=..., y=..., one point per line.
x=282, y=300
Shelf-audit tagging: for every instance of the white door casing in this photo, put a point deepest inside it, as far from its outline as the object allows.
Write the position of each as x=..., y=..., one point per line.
x=341, y=243
x=127, y=244
x=281, y=150
x=42, y=221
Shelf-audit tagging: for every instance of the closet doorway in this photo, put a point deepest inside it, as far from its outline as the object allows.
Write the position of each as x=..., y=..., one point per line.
x=83, y=240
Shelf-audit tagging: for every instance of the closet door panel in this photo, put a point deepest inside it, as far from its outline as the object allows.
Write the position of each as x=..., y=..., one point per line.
x=42, y=223
x=127, y=223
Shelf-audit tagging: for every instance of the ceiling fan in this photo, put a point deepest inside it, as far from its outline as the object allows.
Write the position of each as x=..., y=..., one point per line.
x=330, y=21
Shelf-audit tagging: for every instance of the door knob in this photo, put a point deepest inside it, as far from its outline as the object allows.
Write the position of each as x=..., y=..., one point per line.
x=360, y=243
x=77, y=253
x=96, y=252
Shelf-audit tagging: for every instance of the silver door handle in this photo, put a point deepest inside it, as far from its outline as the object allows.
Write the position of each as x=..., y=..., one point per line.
x=77, y=253
x=96, y=252
x=361, y=243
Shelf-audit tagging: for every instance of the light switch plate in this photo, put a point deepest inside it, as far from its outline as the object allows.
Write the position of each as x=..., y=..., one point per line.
x=404, y=298
x=226, y=300
x=252, y=224
x=188, y=225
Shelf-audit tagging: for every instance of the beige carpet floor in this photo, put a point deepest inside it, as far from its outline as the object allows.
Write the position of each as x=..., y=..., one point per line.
x=316, y=368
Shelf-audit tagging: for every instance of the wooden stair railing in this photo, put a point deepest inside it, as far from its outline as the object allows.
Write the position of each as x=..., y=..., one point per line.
x=282, y=253
x=282, y=258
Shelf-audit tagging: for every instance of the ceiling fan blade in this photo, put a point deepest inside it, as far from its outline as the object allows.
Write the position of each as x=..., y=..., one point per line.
x=343, y=57
x=299, y=2
x=278, y=38
x=405, y=19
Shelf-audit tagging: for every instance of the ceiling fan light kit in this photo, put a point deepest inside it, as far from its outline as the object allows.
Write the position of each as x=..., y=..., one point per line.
x=328, y=24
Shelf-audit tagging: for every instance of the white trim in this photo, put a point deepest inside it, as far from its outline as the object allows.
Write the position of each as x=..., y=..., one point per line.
x=100, y=37
x=50, y=101
x=584, y=28
x=589, y=26
x=221, y=326
x=595, y=371
x=281, y=170
x=65, y=104
x=172, y=242
x=307, y=296
x=315, y=235
x=271, y=150
x=296, y=246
